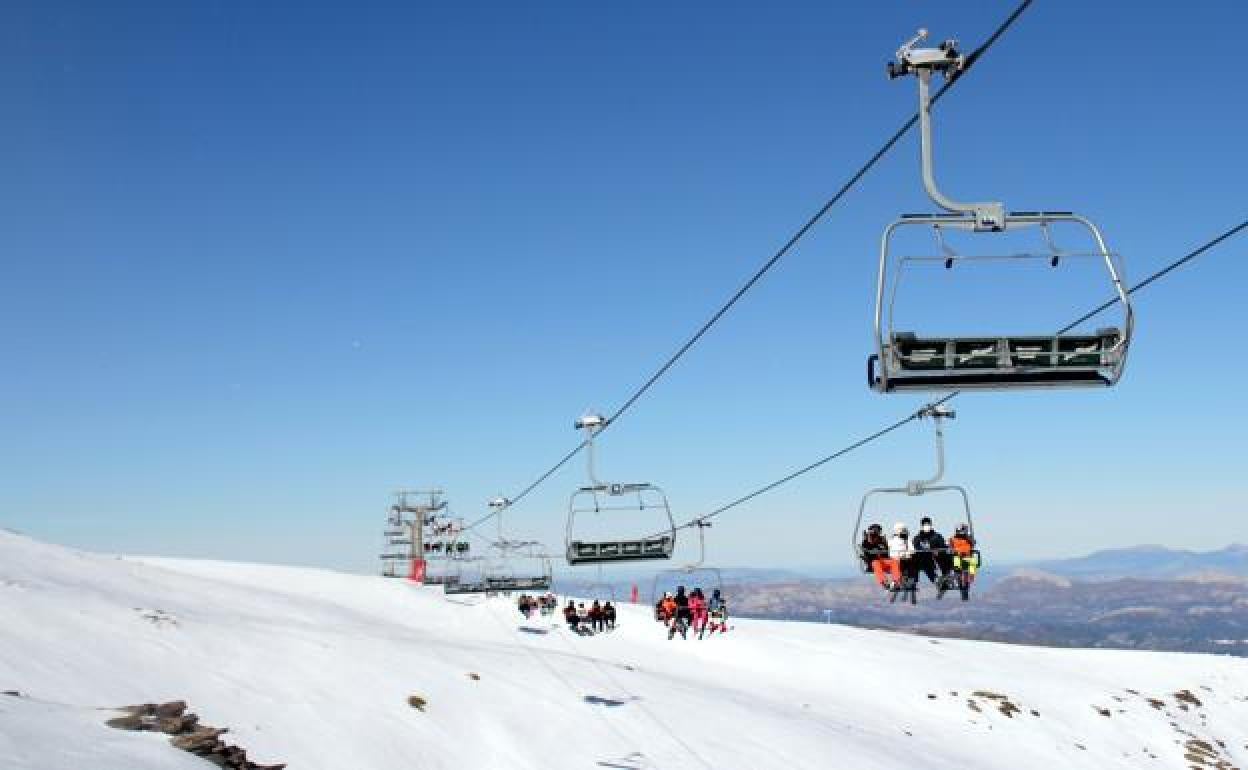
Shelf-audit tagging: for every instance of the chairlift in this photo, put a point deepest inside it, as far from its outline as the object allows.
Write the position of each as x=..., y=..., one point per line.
x=459, y=583
x=503, y=577
x=685, y=571
x=920, y=488
x=599, y=497
x=907, y=361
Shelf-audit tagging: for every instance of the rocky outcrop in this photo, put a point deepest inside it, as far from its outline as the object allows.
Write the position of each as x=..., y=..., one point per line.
x=188, y=734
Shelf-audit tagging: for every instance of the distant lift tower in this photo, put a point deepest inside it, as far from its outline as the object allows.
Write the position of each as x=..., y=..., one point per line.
x=413, y=513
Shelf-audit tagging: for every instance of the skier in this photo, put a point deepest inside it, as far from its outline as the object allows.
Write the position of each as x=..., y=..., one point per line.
x=930, y=550
x=965, y=559
x=697, y=611
x=608, y=615
x=680, y=625
x=570, y=616
x=899, y=551
x=668, y=606
x=582, y=621
x=682, y=606
x=525, y=606
x=718, y=613
x=596, y=622
x=875, y=556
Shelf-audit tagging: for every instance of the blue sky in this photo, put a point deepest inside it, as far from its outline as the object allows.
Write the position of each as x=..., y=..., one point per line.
x=265, y=262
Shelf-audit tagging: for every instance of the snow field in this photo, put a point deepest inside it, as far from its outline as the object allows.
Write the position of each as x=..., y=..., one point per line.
x=315, y=668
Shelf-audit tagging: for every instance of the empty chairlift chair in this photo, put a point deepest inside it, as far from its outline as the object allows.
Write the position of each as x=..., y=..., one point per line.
x=521, y=564
x=906, y=360
x=461, y=581
x=642, y=502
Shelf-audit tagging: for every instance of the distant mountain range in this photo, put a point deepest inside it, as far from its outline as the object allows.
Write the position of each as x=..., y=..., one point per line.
x=1149, y=561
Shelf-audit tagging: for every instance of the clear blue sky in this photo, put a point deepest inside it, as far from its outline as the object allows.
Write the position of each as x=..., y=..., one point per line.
x=264, y=262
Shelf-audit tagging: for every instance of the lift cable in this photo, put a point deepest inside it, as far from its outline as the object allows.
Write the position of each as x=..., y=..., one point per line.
x=1186, y=258
x=770, y=263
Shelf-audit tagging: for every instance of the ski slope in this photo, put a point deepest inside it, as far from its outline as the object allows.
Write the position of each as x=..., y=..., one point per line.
x=315, y=668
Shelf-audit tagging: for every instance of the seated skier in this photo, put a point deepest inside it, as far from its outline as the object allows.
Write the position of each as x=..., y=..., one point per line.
x=875, y=559
x=582, y=621
x=930, y=550
x=668, y=607
x=717, y=613
x=964, y=556
x=679, y=625
x=901, y=554
x=697, y=611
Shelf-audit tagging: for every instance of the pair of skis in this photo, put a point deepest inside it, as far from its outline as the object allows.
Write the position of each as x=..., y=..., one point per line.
x=909, y=588
x=957, y=579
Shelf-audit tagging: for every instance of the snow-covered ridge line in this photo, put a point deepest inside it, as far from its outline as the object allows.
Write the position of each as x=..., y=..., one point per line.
x=316, y=668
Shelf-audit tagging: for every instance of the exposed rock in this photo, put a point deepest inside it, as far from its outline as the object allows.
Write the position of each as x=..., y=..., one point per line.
x=202, y=740
x=188, y=735
x=177, y=725
x=174, y=708
x=127, y=722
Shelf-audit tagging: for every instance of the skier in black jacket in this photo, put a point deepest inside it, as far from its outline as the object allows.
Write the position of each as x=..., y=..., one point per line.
x=683, y=618
x=931, y=551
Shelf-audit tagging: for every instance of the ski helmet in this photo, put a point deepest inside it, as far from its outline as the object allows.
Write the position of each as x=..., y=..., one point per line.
x=899, y=528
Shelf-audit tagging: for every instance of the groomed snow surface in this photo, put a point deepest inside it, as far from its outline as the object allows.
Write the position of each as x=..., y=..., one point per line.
x=315, y=669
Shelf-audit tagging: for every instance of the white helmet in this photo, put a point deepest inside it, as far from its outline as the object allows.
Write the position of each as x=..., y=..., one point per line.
x=899, y=528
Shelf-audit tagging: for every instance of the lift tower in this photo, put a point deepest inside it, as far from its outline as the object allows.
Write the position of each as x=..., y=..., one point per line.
x=406, y=521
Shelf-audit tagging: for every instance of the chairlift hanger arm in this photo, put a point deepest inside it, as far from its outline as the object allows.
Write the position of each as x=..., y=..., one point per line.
x=923, y=63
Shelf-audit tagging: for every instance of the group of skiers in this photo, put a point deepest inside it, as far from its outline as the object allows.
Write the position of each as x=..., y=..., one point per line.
x=586, y=622
x=897, y=561
x=693, y=611
x=546, y=605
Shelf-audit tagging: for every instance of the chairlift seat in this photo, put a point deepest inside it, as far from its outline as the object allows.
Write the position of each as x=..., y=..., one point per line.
x=464, y=588
x=582, y=552
x=996, y=363
x=537, y=583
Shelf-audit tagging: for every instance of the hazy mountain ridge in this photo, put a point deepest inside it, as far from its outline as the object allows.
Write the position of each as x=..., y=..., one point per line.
x=1150, y=561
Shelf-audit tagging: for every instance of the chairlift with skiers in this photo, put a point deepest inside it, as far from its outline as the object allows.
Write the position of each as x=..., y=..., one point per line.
x=685, y=573
x=965, y=564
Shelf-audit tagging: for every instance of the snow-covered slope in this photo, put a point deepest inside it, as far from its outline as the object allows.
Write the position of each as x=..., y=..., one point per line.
x=315, y=668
